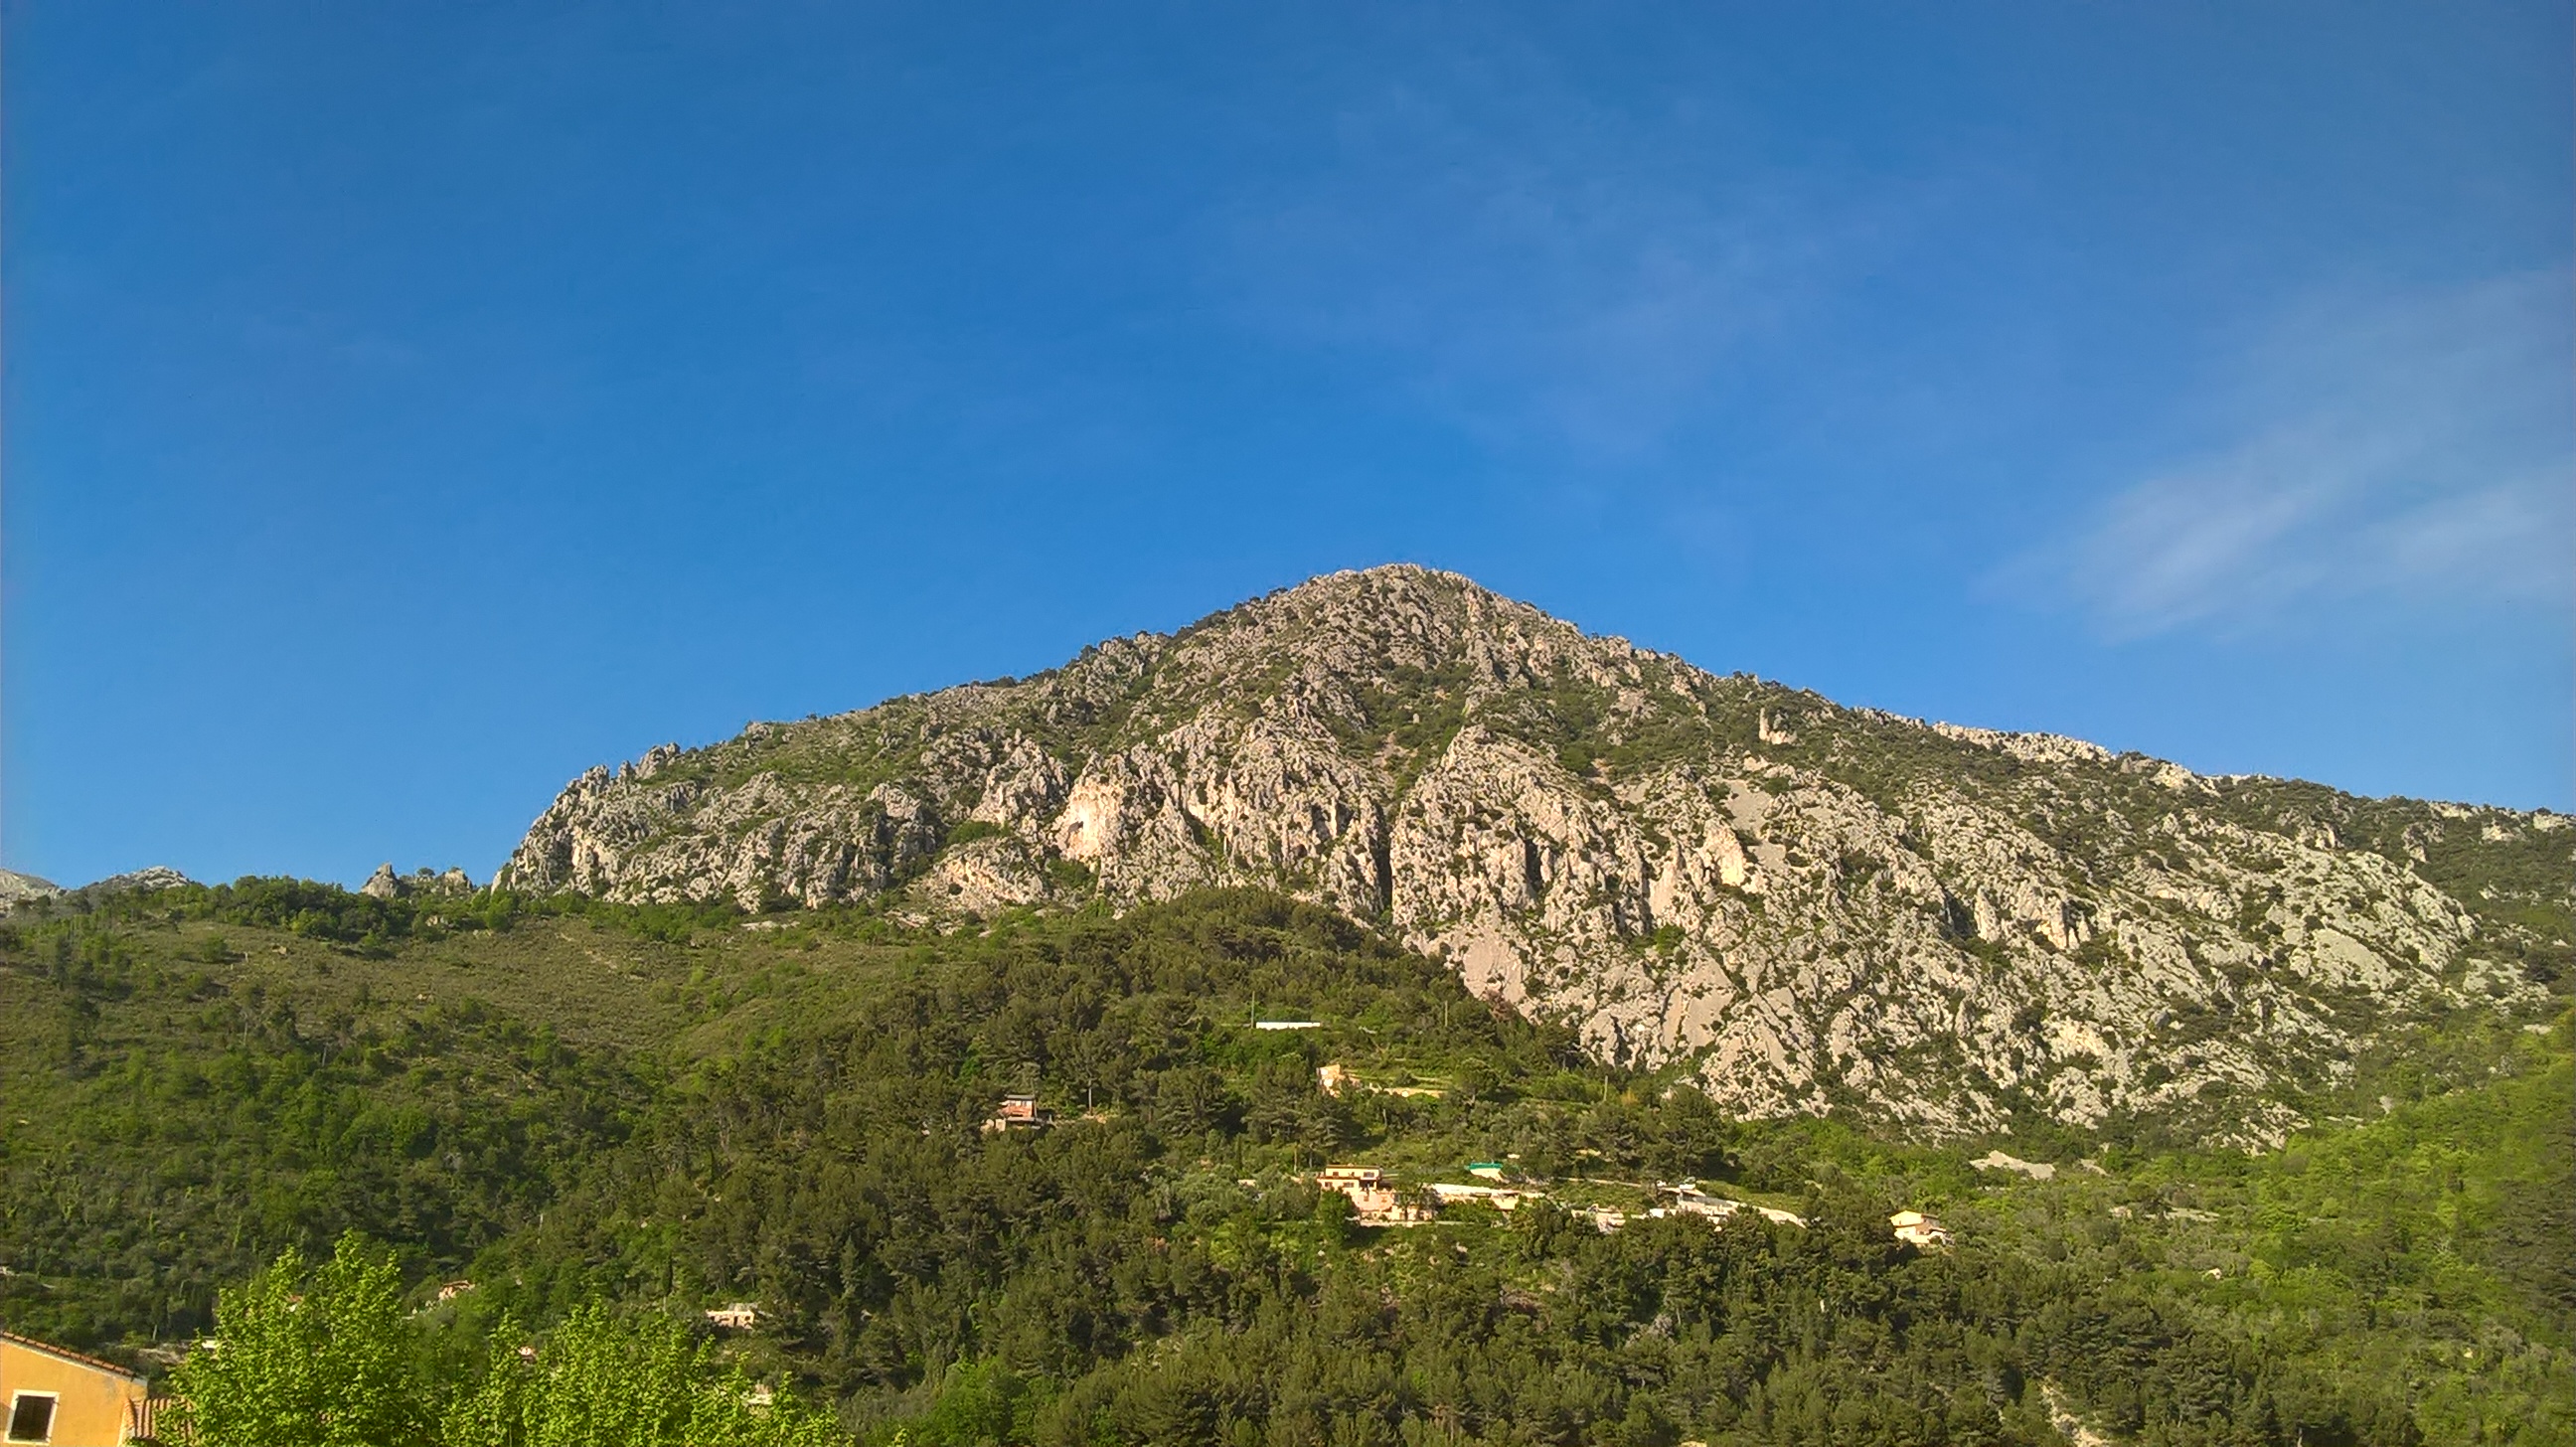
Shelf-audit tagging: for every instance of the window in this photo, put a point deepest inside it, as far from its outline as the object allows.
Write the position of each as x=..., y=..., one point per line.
x=31, y=1417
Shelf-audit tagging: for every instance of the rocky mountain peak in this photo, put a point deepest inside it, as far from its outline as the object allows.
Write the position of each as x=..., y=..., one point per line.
x=1352, y=632
x=1805, y=906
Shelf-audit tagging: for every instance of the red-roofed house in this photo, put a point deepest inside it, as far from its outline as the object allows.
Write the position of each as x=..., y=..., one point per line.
x=58, y=1397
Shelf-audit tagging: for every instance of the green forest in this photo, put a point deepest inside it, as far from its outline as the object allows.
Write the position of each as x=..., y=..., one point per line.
x=507, y=1153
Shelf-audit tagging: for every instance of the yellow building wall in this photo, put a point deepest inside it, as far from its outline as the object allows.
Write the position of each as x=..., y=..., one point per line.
x=92, y=1405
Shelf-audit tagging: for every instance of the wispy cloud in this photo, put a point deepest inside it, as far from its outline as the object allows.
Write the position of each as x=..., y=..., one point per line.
x=2418, y=447
x=1540, y=267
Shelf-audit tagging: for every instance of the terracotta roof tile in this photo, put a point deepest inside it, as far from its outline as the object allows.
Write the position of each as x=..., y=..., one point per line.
x=67, y=1354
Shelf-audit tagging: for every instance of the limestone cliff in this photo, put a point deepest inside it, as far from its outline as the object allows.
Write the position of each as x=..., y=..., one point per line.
x=1808, y=907
x=17, y=889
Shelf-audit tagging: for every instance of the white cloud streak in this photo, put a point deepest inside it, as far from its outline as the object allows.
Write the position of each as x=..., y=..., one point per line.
x=2417, y=448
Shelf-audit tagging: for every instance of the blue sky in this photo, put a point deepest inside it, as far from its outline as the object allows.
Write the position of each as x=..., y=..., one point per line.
x=410, y=405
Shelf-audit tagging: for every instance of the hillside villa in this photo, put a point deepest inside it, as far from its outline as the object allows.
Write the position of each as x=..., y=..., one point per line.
x=1378, y=1203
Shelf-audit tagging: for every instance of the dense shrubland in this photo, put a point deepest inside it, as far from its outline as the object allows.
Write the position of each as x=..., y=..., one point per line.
x=611, y=1118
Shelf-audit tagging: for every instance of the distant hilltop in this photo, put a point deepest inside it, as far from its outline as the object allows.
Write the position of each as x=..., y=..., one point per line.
x=18, y=889
x=15, y=888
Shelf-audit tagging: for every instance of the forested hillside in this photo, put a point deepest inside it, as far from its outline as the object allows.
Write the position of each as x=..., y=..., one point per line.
x=662, y=1109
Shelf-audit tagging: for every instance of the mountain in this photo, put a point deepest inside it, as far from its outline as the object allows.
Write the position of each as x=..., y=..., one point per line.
x=1806, y=907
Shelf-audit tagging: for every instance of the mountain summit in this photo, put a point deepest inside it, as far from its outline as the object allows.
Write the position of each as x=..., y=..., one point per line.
x=1808, y=907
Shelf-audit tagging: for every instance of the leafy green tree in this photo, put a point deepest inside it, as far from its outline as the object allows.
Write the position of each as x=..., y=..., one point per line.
x=599, y=1382
x=308, y=1357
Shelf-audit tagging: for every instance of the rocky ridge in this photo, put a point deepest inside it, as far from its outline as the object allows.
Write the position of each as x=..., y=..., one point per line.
x=1808, y=907
x=17, y=890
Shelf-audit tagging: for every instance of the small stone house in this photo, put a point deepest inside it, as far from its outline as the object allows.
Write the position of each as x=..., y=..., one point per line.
x=59, y=1397
x=1916, y=1229
x=735, y=1316
x=1019, y=1112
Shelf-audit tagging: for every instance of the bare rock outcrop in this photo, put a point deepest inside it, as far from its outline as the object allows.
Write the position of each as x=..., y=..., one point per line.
x=17, y=889
x=420, y=883
x=25, y=890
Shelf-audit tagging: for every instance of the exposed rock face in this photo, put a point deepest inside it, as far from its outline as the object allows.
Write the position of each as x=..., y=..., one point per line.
x=22, y=889
x=144, y=880
x=385, y=884
x=17, y=889
x=1809, y=907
